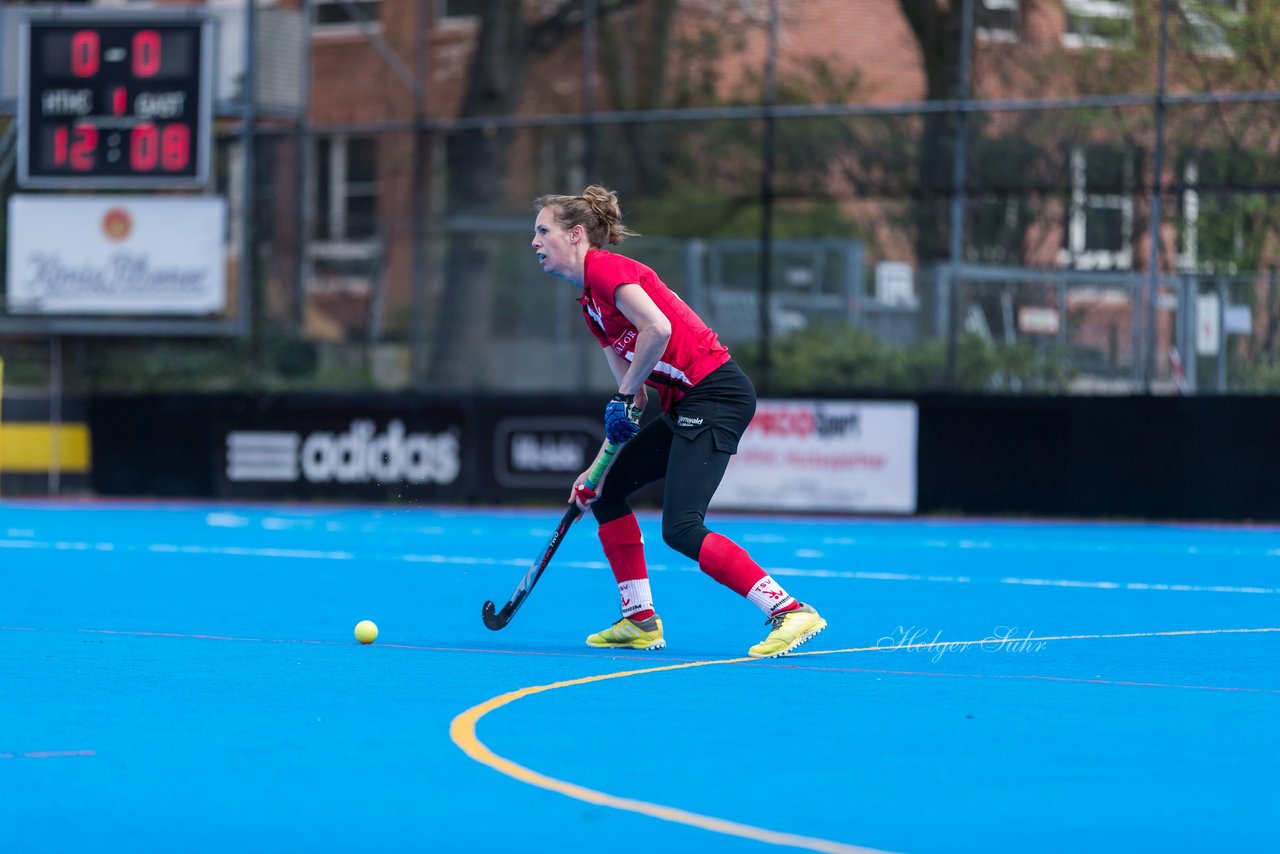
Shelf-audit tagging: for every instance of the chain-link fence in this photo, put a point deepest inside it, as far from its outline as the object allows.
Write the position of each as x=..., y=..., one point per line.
x=1061, y=197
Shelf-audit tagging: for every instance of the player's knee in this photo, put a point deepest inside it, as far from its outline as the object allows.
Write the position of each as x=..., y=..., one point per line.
x=685, y=536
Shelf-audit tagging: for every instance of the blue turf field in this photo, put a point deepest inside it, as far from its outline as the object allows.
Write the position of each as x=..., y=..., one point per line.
x=183, y=678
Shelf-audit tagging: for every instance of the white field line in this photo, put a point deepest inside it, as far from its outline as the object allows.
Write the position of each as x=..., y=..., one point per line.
x=467, y=560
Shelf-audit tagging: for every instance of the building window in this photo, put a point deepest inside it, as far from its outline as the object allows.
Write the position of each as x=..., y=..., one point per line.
x=1098, y=23
x=1210, y=27
x=339, y=17
x=346, y=250
x=998, y=213
x=346, y=187
x=1218, y=223
x=1098, y=233
x=997, y=20
x=449, y=11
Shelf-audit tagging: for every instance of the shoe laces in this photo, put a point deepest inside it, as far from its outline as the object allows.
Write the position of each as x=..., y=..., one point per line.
x=776, y=619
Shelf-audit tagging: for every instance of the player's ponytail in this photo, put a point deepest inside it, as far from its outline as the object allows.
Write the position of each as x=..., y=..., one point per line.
x=604, y=203
x=596, y=210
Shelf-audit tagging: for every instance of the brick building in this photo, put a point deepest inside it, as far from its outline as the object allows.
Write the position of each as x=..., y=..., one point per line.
x=1084, y=209
x=349, y=252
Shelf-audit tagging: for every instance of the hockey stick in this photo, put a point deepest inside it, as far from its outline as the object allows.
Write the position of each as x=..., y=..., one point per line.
x=496, y=619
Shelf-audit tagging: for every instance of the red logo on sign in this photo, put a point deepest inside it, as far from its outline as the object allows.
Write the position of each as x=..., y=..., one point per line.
x=785, y=422
x=116, y=224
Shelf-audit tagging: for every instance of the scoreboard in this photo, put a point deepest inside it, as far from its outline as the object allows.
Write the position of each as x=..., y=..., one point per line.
x=115, y=102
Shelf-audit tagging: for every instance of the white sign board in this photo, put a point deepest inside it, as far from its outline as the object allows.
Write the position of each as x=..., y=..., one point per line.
x=825, y=456
x=1208, y=326
x=1237, y=320
x=116, y=255
x=895, y=283
x=1038, y=320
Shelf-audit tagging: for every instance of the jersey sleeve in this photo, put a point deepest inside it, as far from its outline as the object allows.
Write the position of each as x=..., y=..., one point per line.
x=608, y=271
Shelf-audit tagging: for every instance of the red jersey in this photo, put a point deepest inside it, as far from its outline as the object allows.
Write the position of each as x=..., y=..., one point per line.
x=693, y=350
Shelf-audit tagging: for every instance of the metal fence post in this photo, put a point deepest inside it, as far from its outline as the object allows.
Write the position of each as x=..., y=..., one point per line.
x=944, y=326
x=1222, y=335
x=1153, y=250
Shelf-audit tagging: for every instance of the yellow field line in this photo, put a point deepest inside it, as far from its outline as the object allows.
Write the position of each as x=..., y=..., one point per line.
x=463, y=732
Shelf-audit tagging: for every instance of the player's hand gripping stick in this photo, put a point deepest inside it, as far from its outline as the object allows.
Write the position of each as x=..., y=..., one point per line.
x=621, y=418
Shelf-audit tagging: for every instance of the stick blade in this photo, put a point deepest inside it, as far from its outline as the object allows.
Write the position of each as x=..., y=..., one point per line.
x=493, y=618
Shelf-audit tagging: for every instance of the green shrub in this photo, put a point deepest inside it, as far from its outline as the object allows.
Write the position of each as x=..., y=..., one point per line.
x=834, y=360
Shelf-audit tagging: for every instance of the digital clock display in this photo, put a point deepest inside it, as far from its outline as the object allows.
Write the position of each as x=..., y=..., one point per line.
x=114, y=103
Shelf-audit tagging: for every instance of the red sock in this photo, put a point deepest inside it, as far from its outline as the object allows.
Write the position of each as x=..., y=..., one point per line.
x=728, y=563
x=624, y=549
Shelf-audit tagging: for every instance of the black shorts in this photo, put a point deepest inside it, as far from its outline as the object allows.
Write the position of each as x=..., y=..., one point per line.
x=724, y=403
x=690, y=449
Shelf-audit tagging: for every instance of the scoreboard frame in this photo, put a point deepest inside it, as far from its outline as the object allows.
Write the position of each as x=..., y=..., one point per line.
x=193, y=128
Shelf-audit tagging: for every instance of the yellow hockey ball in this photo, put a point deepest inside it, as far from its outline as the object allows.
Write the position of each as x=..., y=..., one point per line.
x=366, y=631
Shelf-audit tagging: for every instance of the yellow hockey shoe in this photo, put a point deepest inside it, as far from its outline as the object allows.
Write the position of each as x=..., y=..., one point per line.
x=790, y=629
x=628, y=634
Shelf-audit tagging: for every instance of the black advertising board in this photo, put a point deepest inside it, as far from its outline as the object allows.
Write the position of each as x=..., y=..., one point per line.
x=979, y=454
x=539, y=447
x=341, y=448
x=357, y=448
x=361, y=450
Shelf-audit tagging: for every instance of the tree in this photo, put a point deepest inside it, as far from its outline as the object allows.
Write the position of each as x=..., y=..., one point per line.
x=654, y=58
x=938, y=31
x=476, y=163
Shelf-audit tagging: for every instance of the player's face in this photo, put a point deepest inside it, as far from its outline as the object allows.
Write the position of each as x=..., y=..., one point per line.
x=555, y=246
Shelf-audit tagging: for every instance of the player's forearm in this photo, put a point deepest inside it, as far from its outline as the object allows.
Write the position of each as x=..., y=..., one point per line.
x=651, y=343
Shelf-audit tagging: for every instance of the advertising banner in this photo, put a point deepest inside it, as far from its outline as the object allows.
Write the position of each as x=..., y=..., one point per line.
x=826, y=457
x=544, y=451
x=116, y=255
x=535, y=452
x=353, y=454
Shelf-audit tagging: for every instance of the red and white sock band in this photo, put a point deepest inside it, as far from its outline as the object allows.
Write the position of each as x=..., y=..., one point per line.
x=768, y=596
x=636, y=598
